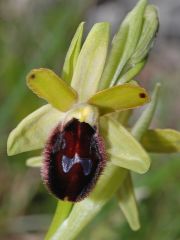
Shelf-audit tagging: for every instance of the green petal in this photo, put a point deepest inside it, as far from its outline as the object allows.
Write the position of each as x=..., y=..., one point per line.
x=34, y=161
x=91, y=61
x=47, y=85
x=161, y=141
x=32, y=132
x=122, y=147
x=120, y=97
x=62, y=211
x=72, y=54
x=123, y=45
x=84, y=211
x=145, y=119
x=127, y=202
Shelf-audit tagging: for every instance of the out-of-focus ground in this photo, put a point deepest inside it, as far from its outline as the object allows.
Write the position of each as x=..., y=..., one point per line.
x=37, y=34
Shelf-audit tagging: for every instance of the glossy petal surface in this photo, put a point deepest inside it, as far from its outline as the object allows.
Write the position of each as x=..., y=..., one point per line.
x=32, y=132
x=74, y=159
x=47, y=85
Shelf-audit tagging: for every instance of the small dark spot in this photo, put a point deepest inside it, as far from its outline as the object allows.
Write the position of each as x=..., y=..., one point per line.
x=32, y=76
x=142, y=95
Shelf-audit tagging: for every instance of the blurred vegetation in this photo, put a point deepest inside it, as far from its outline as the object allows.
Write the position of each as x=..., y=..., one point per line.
x=37, y=34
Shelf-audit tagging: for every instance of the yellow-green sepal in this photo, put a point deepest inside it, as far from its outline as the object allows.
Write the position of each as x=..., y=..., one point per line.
x=161, y=141
x=90, y=62
x=34, y=162
x=72, y=54
x=47, y=85
x=33, y=131
x=119, y=98
x=123, y=45
x=127, y=202
x=122, y=147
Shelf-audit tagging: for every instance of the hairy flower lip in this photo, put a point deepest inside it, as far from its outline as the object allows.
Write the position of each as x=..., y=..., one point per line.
x=59, y=143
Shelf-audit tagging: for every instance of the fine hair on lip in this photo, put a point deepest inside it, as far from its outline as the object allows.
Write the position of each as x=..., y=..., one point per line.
x=74, y=158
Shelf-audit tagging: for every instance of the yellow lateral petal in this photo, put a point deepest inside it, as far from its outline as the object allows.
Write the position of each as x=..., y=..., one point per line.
x=32, y=132
x=47, y=85
x=120, y=97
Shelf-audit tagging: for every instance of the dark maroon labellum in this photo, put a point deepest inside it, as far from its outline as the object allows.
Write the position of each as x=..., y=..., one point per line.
x=74, y=159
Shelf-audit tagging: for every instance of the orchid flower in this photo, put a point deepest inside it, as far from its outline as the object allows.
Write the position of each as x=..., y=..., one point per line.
x=87, y=151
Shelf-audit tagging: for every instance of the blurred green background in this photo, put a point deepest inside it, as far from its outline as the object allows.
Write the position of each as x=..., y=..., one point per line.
x=37, y=34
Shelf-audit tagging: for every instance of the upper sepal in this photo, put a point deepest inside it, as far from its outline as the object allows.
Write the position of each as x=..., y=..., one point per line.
x=90, y=62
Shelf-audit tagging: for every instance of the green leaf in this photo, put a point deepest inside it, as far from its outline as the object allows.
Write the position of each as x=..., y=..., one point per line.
x=127, y=202
x=83, y=212
x=72, y=54
x=63, y=209
x=120, y=97
x=32, y=132
x=47, y=85
x=123, y=45
x=34, y=161
x=145, y=43
x=91, y=61
x=161, y=140
x=145, y=119
x=122, y=147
